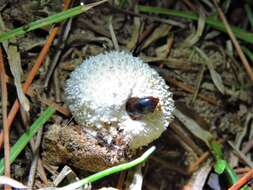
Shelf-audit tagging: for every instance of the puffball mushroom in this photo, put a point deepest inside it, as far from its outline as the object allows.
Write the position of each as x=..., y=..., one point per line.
x=114, y=93
x=120, y=105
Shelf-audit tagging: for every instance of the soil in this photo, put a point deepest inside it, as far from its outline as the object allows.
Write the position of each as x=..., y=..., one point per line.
x=210, y=85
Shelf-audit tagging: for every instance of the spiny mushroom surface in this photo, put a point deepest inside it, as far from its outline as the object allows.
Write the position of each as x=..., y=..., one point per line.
x=114, y=93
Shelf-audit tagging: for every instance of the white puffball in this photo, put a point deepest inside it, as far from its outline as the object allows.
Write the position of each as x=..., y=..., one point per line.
x=99, y=88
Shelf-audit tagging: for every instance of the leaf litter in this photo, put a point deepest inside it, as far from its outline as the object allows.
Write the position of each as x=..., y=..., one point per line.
x=200, y=58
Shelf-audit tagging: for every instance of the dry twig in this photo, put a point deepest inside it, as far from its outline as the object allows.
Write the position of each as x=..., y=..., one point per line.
x=33, y=73
x=4, y=111
x=190, y=89
x=35, y=160
x=241, y=182
x=235, y=42
x=193, y=167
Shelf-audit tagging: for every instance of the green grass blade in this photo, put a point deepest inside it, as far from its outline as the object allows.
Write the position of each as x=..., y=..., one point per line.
x=48, y=20
x=240, y=33
x=249, y=14
x=248, y=53
x=109, y=171
x=219, y=159
x=26, y=137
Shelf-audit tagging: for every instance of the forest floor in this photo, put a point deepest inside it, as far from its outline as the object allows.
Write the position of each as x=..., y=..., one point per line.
x=190, y=48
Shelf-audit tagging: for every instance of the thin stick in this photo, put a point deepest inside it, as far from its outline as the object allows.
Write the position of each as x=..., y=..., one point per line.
x=61, y=109
x=30, y=78
x=248, y=145
x=34, y=165
x=193, y=167
x=5, y=128
x=64, y=33
x=190, y=89
x=28, y=82
x=235, y=42
x=48, y=20
x=185, y=137
x=113, y=36
x=121, y=180
x=34, y=70
x=241, y=182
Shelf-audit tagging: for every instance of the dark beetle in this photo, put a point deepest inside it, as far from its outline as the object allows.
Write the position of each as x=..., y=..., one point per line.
x=138, y=107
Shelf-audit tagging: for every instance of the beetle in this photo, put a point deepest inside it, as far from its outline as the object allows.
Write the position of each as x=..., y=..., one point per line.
x=137, y=107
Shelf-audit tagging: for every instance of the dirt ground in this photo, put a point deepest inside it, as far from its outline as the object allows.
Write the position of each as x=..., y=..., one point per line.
x=210, y=85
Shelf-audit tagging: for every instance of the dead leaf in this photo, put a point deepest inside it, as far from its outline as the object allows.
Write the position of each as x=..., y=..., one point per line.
x=16, y=70
x=193, y=127
x=159, y=32
x=136, y=32
x=194, y=37
x=217, y=80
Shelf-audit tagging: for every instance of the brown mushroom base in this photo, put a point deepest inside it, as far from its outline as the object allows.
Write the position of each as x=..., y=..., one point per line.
x=72, y=146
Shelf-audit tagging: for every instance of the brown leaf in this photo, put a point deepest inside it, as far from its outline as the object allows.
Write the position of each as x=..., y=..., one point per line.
x=193, y=127
x=15, y=66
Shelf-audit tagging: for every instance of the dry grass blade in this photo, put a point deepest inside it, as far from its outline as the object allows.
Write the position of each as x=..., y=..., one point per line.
x=241, y=155
x=241, y=182
x=213, y=22
x=186, y=138
x=4, y=110
x=193, y=127
x=11, y=182
x=194, y=37
x=193, y=167
x=239, y=141
x=121, y=180
x=198, y=180
x=66, y=172
x=135, y=34
x=31, y=76
x=48, y=20
x=135, y=178
x=61, y=109
x=16, y=69
x=214, y=75
x=158, y=33
x=63, y=36
x=33, y=168
x=22, y=142
x=199, y=80
x=235, y=42
x=113, y=36
x=186, y=87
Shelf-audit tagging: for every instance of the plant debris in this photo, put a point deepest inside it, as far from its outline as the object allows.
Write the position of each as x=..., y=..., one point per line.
x=203, y=64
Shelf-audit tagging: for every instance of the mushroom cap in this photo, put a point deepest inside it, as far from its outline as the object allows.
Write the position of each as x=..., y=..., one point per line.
x=99, y=88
